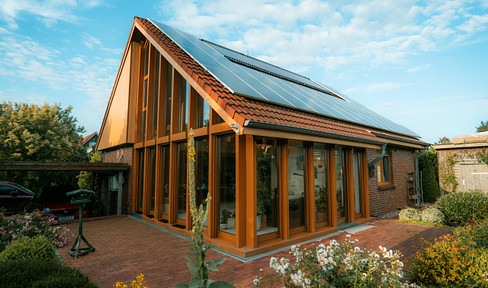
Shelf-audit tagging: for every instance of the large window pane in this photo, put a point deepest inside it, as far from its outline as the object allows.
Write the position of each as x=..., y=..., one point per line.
x=155, y=105
x=226, y=185
x=181, y=180
x=167, y=98
x=203, y=112
x=183, y=105
x=267, y=185
x=140, y=180
x=164, y=179
x=152, y=177
x=201, y=170
x=357, y=180
x=340, y=178
x=296, y=183
x=321, y=187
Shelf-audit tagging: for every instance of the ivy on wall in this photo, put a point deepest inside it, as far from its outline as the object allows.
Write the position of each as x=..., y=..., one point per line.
x=448, y=179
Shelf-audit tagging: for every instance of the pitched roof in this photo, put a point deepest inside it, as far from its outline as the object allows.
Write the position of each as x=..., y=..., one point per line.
x=219, y=78
x=87, y=138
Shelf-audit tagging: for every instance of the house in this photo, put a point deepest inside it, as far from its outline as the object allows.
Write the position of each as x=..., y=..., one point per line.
x=286, y=158
x=89, y=142
x=461, y=165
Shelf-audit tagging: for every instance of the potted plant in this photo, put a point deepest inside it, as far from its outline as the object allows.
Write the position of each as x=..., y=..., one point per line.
x=225, y=214
x=321, y=204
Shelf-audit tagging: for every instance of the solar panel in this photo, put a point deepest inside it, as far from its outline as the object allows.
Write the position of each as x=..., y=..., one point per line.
x=255, y=78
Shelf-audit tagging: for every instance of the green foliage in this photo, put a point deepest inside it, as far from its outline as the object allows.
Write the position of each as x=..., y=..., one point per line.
x=475, y=233
x=448, y=178
x=263, y=164
x=448, y=263
x=428, y=164
x=461, y=207
x=483, y=127
x=482, y=156
x=25, y=249
x=41, y=274
x=33, y=133
x=85, y=178
x=443, y=140
x=197, y=265
x=410, y=214
x=433, y=215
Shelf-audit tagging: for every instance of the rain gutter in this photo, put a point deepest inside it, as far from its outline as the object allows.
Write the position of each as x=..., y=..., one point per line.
x=383, y=152
x=292, y=129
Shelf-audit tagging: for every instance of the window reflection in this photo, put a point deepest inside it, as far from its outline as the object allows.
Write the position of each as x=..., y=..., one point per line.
x=296, y=183
x=201, y=171
x=357, y=180
x=203, y=112
x=321, y=188
x=164, y=176
x=181, y=180
x=340, y=193
x=226, y=182
x=141, y=181
x=152, y=177
x=267, y=185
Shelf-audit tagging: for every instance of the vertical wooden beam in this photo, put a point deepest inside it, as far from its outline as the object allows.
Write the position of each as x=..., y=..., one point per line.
x=175, y=103
x=350, y=185
x=364, y=182
x=240, y=191
x=332, y=187
x=310, y=186
x=135, y=205
x=251, y=209
x=145, y=206
x=157, y=182
x=150, y=94
x=189, y=221
x=173, y=210
x=139, y=93
x=134, y=85
x=285, y=202
x=213, y=224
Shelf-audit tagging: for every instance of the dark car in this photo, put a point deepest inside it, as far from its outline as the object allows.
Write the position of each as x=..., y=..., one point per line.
x=53, y=202
x=15, y=198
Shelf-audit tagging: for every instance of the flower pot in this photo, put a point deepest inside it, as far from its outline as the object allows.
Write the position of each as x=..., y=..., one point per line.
x=231, y=223
x=223, y=226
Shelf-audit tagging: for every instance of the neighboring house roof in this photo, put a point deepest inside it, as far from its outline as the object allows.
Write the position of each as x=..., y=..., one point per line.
x=249, y=93
x=88, y=138
x=475, y=140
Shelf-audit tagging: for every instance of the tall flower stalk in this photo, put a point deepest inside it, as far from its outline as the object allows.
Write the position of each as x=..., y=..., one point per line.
x=196, y=261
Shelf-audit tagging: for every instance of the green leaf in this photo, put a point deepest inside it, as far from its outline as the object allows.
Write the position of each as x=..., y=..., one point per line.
x=221, y=284
x=212, y=265
x=197, y=283
x=193, y=269
x=181, y=286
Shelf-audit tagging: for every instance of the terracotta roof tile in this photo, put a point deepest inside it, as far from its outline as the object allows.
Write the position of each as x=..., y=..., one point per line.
x=244, y=108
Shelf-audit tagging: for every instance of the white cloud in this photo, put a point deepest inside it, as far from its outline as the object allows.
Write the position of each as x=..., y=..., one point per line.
x=48, y=12
x=90, y=41
x=331, y=34
x=419, y=68
x=375, y=87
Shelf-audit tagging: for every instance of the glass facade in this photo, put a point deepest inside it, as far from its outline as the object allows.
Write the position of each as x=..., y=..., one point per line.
x=226, y=182
x=320, y=172
x=181, y=180
x=201, y=170
x=167, y=98
x=296, y=184
x=340, y=182
x=140, y=184
x=267, y=185
x=357, y=180
x=183, y=105
x=152, y=177
x=155, y=104
x=203, y=112
x=164, y=178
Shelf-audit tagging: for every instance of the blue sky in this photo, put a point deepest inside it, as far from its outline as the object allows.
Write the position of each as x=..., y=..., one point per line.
x=422, y=64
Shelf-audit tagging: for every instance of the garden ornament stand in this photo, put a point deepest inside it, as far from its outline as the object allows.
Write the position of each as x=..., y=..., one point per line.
x=80, y=197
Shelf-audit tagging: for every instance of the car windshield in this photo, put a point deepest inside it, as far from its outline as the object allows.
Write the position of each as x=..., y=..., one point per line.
x=28, y=190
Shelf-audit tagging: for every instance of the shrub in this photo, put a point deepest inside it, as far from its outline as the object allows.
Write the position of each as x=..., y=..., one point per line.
x=28, y=249
x=459, y=207
x=430, y=183
x=41, y=273
x=32, y=225
x=433, y=215
x=474, y=234
x=337, y=265
x=410, y=214
x=448, y=262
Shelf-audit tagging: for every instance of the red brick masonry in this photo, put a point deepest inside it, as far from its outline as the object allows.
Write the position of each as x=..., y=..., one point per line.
x=126, y=247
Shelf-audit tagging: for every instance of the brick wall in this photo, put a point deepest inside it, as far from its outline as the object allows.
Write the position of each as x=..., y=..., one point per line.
x=388, y=199
x=123, y=155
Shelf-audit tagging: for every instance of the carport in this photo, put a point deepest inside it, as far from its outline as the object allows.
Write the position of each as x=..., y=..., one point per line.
x=118, y=170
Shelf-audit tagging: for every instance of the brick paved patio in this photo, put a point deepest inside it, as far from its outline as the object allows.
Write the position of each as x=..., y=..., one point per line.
x=126, y=247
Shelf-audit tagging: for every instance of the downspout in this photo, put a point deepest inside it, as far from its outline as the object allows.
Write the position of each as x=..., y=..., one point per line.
x=370, y=164
x=417, y=176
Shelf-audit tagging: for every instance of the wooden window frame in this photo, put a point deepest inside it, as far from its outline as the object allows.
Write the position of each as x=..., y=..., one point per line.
x=381, y=181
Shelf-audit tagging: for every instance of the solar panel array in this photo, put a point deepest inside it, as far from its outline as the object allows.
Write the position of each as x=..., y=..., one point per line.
x=252, y=77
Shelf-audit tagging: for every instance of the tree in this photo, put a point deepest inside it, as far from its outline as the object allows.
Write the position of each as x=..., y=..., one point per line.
x=33, y=133
x=483, y=127
x=430, y=178
x=443, y=140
